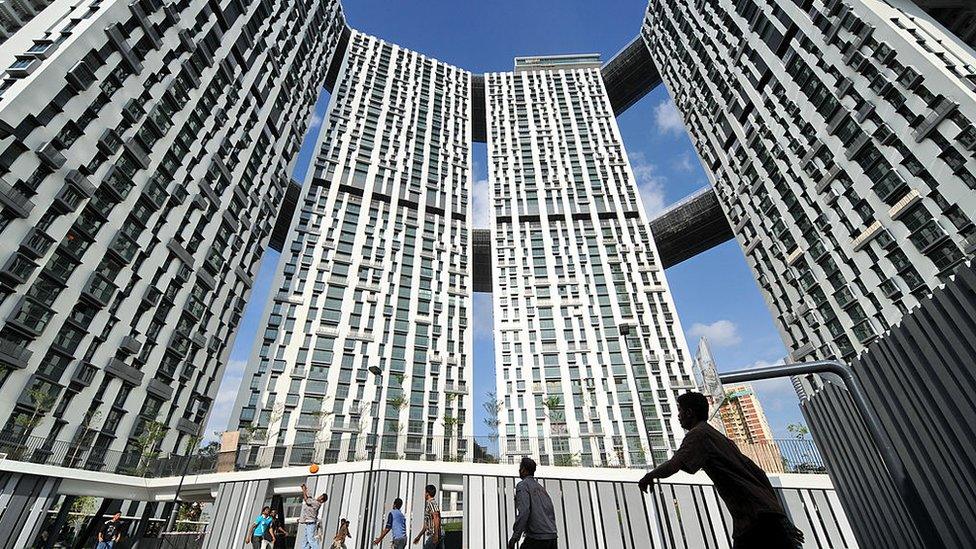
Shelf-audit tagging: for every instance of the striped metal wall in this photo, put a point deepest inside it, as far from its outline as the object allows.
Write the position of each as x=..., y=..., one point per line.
x=920, y=378
x=591, y=514
x=24, y=501
x=884, y=523
x=238, y=503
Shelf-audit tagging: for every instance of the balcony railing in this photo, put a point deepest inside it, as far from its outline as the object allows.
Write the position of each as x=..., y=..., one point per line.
x=62, y=453
x=777, y=456
x=14, y=354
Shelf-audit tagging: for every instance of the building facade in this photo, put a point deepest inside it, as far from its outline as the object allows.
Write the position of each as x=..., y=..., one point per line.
x=709, y=383
x=839, y=137
x=375, y=274
x=145, y=148
x=588, y=349
x=14, y=14
x=743, y=416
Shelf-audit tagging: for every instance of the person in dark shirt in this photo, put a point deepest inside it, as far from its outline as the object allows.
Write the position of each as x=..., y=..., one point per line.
x=278, y=527
x=110, y=533
x=535, y=516
x=758, y=519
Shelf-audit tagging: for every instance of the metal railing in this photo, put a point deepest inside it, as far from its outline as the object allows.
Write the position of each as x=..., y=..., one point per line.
x=777, y=456
x=62, y=453
x=785, y=456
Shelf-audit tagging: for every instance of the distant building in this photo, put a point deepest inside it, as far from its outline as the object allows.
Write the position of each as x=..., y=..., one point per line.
x=743, y=416
x=706, y=377
x=745, y=423
x=376, y=274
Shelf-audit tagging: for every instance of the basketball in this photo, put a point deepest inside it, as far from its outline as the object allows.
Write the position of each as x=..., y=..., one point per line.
x=313, y=468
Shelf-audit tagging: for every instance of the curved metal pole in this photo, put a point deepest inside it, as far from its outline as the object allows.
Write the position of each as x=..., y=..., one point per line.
x=889, y=457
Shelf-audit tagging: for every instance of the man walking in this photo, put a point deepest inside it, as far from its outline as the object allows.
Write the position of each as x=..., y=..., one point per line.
x=110, y=533
x=309, y=519
x=260, y=529
x=758, y=519
x=432, y=521
x=396, y=522
x=535, y=516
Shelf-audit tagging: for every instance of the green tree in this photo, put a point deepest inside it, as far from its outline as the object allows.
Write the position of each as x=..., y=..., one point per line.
x=492, y=408
x=147, y=445
x=41, y=401
x=86, y=428
x=798, y=430
x=554, y=405
x=81, y=508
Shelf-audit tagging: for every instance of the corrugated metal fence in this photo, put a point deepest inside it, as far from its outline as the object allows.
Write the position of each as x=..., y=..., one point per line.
x=920, y=379
x=590, y=513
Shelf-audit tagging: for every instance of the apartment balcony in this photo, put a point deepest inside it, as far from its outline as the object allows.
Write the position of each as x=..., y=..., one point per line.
x=14, y=201
x=36, y=244
x=99, y=289
x=328, y=332
x=124, y=247
x=151, y=297
x=187, y=426
x=30, y=317
x=928, y=236
x=130, y=344
x=17, y=269
x=84, y=373
x=123, y=371
x=346, y=427
x=359, y=335
x=13, y=355
x=198, y=340
x=51, y=156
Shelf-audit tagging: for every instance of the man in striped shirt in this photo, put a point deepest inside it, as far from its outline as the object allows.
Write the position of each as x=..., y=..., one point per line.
x=432, y=521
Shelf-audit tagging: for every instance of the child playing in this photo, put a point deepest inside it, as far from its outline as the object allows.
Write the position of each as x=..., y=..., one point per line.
x=341, y=534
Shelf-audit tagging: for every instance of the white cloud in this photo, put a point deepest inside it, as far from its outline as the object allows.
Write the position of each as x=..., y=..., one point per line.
x=650, y=185
x=684, y=163
x=481, y=204
x=721, y=333
x=315, y=121
x=667, y=119
x=226, y=395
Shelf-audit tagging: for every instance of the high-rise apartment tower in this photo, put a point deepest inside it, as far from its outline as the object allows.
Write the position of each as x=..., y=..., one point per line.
x=839, y=137
x=375, y=275
x=589, y=350
x=743, y=416
x=145, y=149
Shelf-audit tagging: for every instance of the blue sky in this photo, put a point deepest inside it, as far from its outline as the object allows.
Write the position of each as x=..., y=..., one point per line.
x=715, y=293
